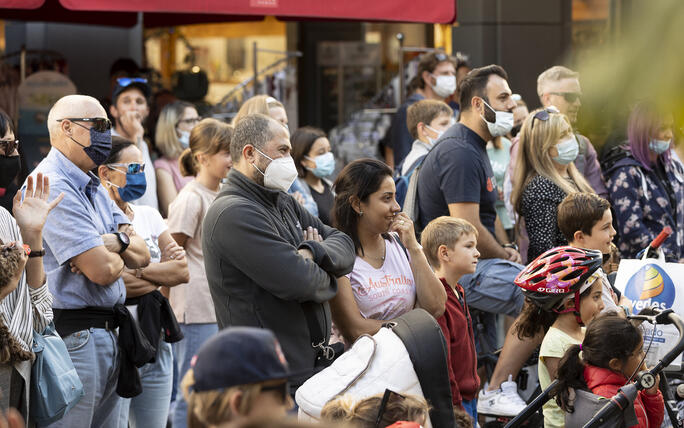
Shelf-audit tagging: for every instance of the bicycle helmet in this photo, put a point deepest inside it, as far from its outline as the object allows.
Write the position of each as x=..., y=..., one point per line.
x=550, y=278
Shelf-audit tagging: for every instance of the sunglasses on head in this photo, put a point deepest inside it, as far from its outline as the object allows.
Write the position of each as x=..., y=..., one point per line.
x=7, y=147
x=125, y=81
x=570, y=97
x=100, y=124
x=544, y=115
x=131, y=168
x=283, y=390
x=389, y=395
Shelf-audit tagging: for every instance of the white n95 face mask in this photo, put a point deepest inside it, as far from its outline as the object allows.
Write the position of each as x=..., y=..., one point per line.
x=444, y=85
x=502, y=125
x=280, y=173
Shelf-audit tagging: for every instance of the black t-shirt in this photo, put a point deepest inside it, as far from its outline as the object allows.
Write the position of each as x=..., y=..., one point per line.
x=324, y=201
x=457, y=170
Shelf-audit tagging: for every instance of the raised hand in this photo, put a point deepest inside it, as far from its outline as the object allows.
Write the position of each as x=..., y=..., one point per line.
x=32, y=212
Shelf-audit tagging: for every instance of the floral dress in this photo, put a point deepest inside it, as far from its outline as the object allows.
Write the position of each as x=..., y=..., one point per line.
x=644, y=202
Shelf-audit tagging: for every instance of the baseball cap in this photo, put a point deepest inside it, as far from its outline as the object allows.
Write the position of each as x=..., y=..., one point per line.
x=125, y=83
x=238, y=356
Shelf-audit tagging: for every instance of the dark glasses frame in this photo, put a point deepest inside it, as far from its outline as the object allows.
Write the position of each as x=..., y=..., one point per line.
x=282, y=388
x=570, y=97
x=131, y=168
x=125, y=81
x=100, y=124
x=7, y=147
x=190, y=120
x=383, y=405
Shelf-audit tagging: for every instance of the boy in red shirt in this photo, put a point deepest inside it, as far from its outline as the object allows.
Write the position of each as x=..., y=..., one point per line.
x=450, y=245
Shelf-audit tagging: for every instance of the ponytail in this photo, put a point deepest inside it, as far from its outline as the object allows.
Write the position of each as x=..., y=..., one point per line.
x=533, y=319
x=570, y=375
x=187, y=165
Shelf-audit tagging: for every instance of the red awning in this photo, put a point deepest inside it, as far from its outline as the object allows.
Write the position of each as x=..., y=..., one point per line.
x=21, y=4
x=428, y=11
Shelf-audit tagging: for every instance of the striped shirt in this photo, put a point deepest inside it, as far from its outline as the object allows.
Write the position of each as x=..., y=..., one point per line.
x=26, y=308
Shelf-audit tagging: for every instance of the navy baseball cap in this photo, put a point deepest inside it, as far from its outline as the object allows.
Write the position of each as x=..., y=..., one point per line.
x=238, y=356
x=125, y=83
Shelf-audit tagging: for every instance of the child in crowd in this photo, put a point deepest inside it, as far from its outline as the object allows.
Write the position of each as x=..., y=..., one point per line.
x=364, y=413
x=240, y=372
x=563, y=285
x=611, y=352
x=586, y=222
x=450, y=245
x=426, y=121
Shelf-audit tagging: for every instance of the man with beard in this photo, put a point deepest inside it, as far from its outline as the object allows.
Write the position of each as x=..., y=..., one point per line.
x=270, y=263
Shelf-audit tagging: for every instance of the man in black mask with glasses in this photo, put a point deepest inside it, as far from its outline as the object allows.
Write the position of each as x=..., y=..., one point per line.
x=87, y=241
x=560, y=87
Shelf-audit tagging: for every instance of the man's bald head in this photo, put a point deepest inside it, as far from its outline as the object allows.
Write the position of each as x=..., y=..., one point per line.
x=74, y=106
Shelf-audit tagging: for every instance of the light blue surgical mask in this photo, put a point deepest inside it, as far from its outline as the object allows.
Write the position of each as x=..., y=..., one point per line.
x=325, y=165
x=659, y=146
x=568, y=150
x=184, y=139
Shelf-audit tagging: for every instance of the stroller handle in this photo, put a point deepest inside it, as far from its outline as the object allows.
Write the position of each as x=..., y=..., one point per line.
x=662, y=236
x=626, y=395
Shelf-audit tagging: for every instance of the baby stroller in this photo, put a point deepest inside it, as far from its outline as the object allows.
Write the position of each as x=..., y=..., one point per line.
x=408, y=356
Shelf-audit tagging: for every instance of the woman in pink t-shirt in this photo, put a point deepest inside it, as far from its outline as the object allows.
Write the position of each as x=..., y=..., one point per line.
x=172, y=136
x=391, y=275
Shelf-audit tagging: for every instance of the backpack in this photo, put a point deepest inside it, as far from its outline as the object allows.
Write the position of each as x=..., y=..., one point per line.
x=407, y=188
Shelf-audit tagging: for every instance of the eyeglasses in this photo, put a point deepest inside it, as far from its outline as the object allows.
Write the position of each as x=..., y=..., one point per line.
x=282, y=388
x=191, y=120
x=131, y=168
x=570, y=97
x=389, y=394
x=100, y=124
x=8, y=146
x=544, y=115
x=125, y=81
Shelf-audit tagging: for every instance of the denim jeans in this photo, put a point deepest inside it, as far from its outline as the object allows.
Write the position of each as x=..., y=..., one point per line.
x=195, y=336
x=470, y=407
x=95, y=355
x=151, y=407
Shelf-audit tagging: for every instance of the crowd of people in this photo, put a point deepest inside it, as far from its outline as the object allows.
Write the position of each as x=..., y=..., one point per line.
x=243, y=266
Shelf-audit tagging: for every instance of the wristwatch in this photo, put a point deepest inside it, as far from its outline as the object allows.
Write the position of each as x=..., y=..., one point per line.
x=139, y=272
x=37, y=253
x=515, y=247
x=124, y=240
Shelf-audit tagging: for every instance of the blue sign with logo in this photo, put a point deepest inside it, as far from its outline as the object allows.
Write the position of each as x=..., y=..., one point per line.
x=650, y=287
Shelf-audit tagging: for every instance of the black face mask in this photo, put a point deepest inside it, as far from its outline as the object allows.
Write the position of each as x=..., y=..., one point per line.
x=9, y=168
x=515, y=130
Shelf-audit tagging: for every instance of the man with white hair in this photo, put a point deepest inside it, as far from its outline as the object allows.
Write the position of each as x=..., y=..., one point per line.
x=87, y=242
x=560, y=87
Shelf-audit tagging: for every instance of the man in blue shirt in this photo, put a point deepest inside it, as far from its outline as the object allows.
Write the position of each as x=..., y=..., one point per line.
x=87, y=242
x=456, y=179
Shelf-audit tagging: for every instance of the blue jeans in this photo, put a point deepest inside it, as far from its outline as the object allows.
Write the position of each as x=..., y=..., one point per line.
x=95, y=355
x=491, y=290
x=195, y=336
x=151, y=407
x=471, y=409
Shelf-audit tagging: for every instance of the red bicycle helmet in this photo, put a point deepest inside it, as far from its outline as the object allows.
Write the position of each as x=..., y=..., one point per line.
x=560, y=271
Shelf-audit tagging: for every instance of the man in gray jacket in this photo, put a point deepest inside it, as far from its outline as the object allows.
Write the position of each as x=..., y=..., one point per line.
x=270, y=263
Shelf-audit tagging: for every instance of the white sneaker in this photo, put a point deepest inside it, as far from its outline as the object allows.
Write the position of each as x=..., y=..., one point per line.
x=501, y=402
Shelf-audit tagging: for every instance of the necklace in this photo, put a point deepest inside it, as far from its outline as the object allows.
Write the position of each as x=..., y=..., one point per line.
x=384, y=253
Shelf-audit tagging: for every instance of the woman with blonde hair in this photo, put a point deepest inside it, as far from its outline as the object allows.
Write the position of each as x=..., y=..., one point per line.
x=544, y=176
x=172, y=136
x=239, y=373
x=263, y=104
x=208, y=160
